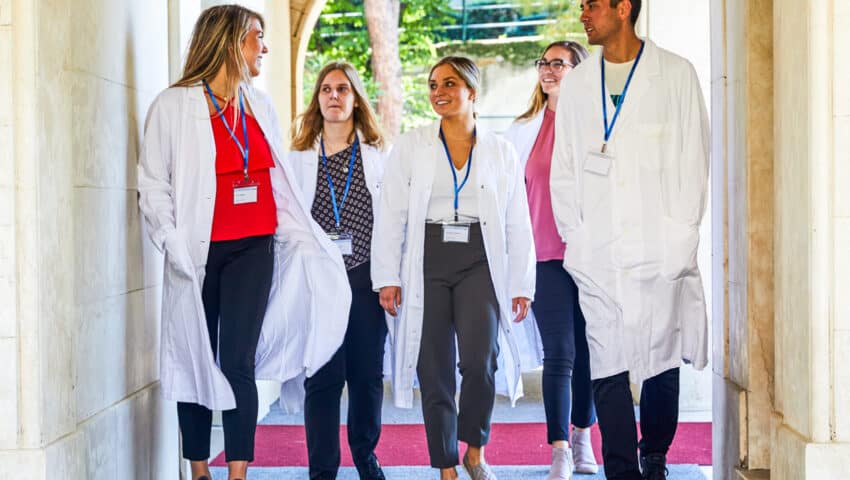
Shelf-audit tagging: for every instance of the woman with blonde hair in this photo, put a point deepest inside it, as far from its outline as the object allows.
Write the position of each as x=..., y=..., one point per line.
x=453, y=259
x=221, y=206
x=566, y=360
x=338, y=157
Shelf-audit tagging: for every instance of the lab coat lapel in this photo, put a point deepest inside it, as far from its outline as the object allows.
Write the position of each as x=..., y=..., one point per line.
x=646, y=69
x=591, y=73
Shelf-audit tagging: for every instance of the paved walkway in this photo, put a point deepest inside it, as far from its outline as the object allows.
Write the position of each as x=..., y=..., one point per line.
x=677, y=472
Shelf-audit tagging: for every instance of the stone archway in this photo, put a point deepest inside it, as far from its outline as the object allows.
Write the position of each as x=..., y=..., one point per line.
x=303, y=16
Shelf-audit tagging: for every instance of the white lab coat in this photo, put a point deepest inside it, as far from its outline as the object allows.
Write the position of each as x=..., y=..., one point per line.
x=633, y=233
x=305, y=164
x=177, y=187
x=399, y=239
x=522, y=134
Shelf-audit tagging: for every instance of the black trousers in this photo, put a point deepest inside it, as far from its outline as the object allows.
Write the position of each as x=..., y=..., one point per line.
x=359, y=362
x=460, y=305
x=235, y=295
x=566, y=360
x=659, y=417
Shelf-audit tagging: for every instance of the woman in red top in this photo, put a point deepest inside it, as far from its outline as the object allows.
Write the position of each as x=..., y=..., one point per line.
x=214, y=213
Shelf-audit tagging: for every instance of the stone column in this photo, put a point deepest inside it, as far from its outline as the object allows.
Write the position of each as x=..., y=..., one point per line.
x=742, y=189
x=280, y=77
x=79, y=318
x=811, y=425
x=303, y=17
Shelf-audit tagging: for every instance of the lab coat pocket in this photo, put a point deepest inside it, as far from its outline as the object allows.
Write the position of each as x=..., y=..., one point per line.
x=575, y=251
x=177, y=256
x=680, y=249
x=654, y=140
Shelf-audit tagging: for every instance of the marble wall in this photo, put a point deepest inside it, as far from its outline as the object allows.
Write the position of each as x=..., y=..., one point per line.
x=8, y=325
x=812, y=167
x=841, y=215
x=81, y=329
x=743, y=254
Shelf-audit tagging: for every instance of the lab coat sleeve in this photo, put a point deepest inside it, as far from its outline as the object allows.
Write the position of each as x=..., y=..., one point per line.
x=520, y=241
x=156, y=198
x=391, y=222
x=563, y=179
x=686, y=192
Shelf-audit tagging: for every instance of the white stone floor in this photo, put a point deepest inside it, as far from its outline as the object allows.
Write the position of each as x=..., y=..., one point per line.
x=677, y=472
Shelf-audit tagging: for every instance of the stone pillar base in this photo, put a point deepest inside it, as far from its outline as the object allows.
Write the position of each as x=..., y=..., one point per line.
x=795, y=457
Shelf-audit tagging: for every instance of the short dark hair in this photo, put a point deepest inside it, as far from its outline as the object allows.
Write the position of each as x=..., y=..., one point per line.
x=635, y=9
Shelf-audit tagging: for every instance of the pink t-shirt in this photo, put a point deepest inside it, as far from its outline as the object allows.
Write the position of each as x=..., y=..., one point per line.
x=546, y=239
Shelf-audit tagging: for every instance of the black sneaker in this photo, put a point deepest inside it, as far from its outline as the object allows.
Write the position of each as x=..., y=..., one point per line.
x=654, y=467
x=370, y=469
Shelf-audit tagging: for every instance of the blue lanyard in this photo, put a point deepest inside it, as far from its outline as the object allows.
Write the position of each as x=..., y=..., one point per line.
x=452, y=165
x=244, y=151
x=610, y=128
x=336, y=208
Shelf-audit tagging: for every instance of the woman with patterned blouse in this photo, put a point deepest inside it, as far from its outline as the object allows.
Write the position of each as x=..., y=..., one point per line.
x=338, y=158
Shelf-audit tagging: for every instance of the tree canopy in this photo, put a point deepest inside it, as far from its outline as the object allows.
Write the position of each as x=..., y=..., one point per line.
x=429, y=29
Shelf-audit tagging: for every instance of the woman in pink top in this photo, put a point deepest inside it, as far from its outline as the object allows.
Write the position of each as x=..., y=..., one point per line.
x=555, y=306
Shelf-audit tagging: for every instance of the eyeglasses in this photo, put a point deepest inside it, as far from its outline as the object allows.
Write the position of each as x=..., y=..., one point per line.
x=555, y=65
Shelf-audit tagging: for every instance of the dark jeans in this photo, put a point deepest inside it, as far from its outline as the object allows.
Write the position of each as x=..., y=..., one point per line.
x=659, y=417
x=359, y=361
x=460, y=304
x=235, y=294
x=566, y=360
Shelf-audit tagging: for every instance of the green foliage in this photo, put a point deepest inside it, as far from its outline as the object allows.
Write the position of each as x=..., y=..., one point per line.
x=566, y=15
x=522, y=53
x=341, y=34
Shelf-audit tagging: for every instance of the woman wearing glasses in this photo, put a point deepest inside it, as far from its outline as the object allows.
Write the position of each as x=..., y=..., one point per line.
x=556, y=308
x=453, y=258
x=338, y=158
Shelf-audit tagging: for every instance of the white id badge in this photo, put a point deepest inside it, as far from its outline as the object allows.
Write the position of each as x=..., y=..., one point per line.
x=456, y=232
x=598, y=163
x=245, y=191
x=343, y=241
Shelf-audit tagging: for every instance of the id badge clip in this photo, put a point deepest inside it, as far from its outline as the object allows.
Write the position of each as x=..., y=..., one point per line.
x=245, y=191
x=343, y=241
x=456, y=232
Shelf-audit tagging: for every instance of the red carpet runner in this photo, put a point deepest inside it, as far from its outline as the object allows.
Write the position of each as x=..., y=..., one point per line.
x=510, y=444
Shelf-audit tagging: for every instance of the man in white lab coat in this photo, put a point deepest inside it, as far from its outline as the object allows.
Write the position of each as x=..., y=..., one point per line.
x=628, y=181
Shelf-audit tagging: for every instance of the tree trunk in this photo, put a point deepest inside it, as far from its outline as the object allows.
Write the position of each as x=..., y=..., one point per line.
x=382, y=18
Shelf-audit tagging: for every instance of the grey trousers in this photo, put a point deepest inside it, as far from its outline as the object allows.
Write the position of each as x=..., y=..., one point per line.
x=459, y=301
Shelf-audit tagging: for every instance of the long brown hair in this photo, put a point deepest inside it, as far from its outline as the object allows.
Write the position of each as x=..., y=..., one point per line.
x=308, y=126
x=539, y=98
x=217, y=41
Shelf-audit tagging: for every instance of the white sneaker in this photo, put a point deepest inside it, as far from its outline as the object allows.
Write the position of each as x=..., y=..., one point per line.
x=562, y=464
x=585, y=461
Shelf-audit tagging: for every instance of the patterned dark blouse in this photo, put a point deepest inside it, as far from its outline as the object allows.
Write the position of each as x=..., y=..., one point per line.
x=356, y=214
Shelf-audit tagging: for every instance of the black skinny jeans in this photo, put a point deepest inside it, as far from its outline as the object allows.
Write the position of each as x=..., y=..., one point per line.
x=359, y=362
x=566, y=360
x=235, y=295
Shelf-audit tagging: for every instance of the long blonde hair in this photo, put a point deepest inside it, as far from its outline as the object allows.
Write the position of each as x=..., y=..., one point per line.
x=308, y=126
x=217, y=41
x=539, y=98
